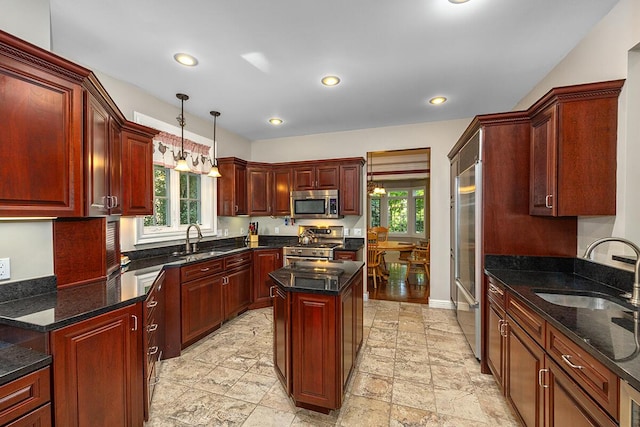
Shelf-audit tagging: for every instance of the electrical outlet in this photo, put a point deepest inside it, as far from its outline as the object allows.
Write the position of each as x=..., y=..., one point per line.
x=277, y=230
x=346, y=231
x=5, y=268
x=241, y=231
x=226, y=232
x=357, y=231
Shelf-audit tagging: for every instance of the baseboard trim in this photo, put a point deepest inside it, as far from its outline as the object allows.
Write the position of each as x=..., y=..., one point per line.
x=438, y=303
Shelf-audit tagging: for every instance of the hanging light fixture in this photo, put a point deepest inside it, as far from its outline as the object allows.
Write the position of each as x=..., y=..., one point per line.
x=370, y=184
x=182, y=165
x=374, y=188
x=214, y=172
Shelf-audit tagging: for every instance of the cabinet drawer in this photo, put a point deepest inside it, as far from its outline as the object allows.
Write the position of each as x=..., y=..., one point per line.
x=346, y=255
x=200, y=269
x=24, y=394
x=531, y=322
x=237, y=260
x=598, y=381
x=496, y=293
x=41, y=417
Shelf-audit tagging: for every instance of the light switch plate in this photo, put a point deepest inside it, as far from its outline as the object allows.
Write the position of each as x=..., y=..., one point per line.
x=346, y=231
x=277, y=230
x=357, y=231
x=5, y=268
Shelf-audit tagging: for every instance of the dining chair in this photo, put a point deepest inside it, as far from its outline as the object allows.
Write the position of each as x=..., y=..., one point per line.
x=420, y=256
x=373, y=263
x=382, y=232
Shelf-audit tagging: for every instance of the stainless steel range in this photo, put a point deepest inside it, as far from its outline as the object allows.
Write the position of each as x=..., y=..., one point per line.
x=315, y=243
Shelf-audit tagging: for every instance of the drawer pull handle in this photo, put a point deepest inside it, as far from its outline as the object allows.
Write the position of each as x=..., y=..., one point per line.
x=540, y=373
x=271, y=295
x=547, y=201
x=152, y=328
x=566, y=358
x=152, y=304
x=503, y=328
x=153, y=350
x=204, y=269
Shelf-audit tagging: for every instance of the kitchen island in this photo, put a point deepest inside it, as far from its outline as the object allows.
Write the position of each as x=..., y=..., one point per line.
x=317, y=329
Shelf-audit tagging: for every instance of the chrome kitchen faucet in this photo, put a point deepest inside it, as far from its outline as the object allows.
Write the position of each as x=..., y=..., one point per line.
x=188, y=249
x=635, y=297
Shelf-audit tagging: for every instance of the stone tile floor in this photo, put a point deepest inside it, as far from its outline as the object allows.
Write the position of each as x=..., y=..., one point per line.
x=414, y=369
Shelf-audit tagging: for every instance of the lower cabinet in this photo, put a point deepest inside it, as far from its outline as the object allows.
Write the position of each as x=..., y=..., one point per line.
x=201, y=307
x=97, y=370
x=546, y=378
x=345, y=255
x=264, y=262
x=316, y=341
x=153, y=338
x=25, y=401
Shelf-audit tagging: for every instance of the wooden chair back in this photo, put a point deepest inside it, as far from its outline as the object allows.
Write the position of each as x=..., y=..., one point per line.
x=372, y=237
x=382, y=232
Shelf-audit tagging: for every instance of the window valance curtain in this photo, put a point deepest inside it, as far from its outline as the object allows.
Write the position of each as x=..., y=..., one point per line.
x=166, y=149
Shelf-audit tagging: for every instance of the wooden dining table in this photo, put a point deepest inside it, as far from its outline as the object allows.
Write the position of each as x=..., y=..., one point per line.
x=404, y=248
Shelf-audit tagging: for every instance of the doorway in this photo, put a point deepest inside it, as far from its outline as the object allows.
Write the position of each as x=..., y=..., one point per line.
x=398, y=198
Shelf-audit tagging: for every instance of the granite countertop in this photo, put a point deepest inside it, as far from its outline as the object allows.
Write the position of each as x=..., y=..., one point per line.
x=318, y=277
x=16, y=361
x=611, y=336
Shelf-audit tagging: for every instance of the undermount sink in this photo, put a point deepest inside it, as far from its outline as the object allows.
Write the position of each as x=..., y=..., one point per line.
x=581, y=300
x=194, y=256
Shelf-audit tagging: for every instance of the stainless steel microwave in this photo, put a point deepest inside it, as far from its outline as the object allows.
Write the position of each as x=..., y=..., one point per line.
x=315, y=204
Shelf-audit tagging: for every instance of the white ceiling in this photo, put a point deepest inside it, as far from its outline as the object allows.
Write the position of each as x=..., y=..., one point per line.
x=392, y=55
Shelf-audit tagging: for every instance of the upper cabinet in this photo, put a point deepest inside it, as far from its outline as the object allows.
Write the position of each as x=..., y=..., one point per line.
x=269, y=187
x=63, y=134
x=316, y=177
x=41, y=103
x=232, y=187
x=351, y=188
x=573, y=150
x=137, y=170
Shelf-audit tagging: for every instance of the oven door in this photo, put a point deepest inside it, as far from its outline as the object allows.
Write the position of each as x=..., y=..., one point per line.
x=288, y=259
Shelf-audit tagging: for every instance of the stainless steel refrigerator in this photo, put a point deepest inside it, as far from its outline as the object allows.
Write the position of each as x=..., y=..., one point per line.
x=466, y=217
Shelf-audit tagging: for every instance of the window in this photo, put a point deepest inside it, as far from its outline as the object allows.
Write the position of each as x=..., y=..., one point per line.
x=189, y=198
x=402, y=210
x=161, y=213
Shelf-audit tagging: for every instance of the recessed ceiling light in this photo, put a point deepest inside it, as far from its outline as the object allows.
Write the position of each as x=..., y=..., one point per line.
x=458, y=1
x=438, y=100
x=330, y=80
x=275, y=121
x=186, y=59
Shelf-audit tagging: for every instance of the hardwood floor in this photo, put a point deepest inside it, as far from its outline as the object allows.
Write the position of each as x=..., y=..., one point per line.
x=395, y=288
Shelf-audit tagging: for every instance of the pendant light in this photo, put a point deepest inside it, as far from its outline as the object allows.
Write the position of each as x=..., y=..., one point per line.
x=182, y=165
x=214, y=172
x=374, y=188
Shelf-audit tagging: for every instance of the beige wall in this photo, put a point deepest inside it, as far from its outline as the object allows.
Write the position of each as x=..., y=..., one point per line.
x=27, y=19
x=604, y=54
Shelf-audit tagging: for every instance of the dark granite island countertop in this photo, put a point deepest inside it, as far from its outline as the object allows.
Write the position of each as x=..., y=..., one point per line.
x=611, y=336
x=319, y=277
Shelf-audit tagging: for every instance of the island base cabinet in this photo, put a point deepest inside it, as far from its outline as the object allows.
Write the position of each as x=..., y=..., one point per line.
x=282, y=336
x=314, y=352
x=97, y=371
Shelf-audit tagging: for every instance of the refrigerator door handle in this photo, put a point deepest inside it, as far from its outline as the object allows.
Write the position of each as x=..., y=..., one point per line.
x=473, y=304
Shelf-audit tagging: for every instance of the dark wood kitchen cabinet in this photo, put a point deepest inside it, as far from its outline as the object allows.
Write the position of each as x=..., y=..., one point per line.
x=264, y=262
x=321, y=176
x=42, y=102
x=351, y=189
x=25, y=401
x=573, y=150
x=232, y=187
x=153, y=310
x=496, y=332
x=268, y=190
x=97, y=370
x=201, y=299
x=103, y=163
x=236, y=285
x=282, y=336
x=137, y=170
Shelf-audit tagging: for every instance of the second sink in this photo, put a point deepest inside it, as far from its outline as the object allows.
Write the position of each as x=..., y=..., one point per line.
x=581, y=300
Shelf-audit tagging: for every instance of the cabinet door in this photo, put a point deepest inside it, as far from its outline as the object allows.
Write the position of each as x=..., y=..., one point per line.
x=566, y=404
x=232, y=187
x=241, y=190
x=96, y=158
x=201, y=307
x=314, y=356
x=348, y=339
x=264, y=262
x=350, y=189
x=358, y=301
x=282, y=185
x=259, y=187
x=137, y=174
x=525, y=358
x=495, y=343
x=543, y=163
x=282, y=337
x=237, y=291
x=327, y=177
x=304, y=178
x=97, y=370
x=42, y=135
x=115, y=169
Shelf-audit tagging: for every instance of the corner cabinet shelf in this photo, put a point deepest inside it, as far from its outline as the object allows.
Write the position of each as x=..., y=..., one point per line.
x=573, y=150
